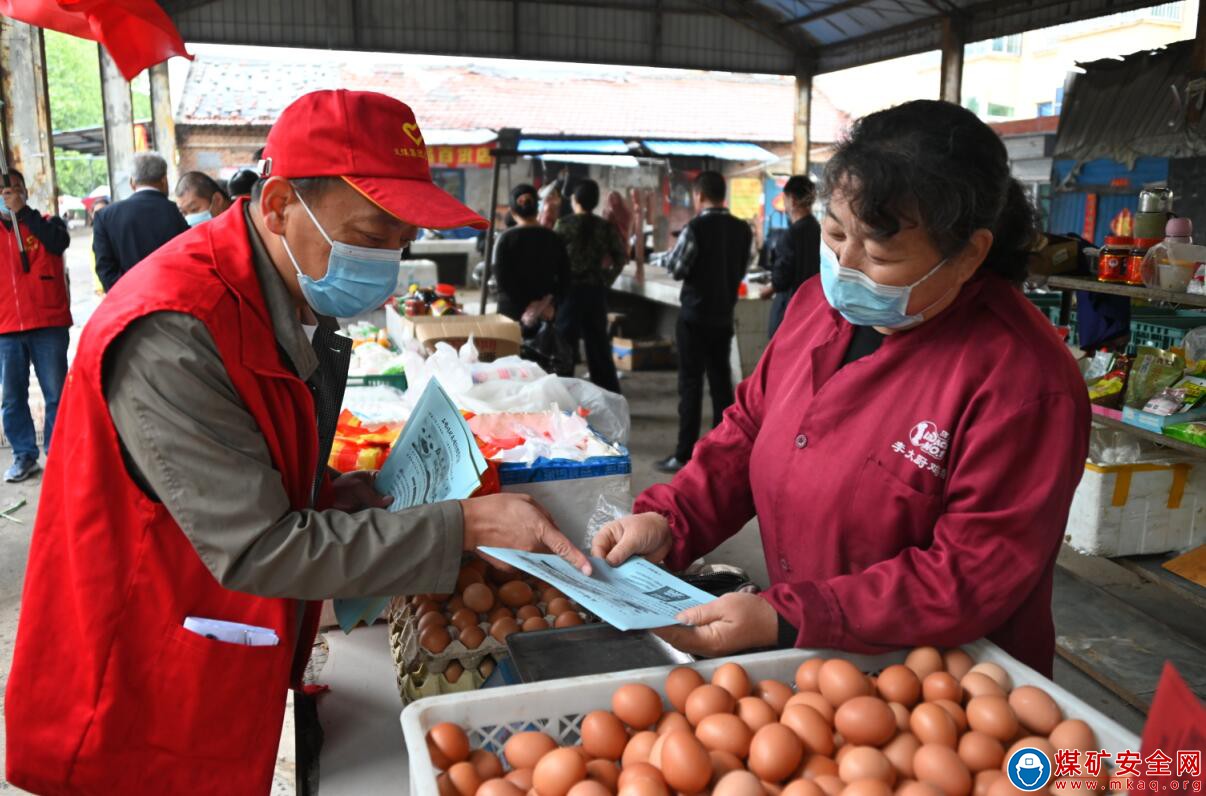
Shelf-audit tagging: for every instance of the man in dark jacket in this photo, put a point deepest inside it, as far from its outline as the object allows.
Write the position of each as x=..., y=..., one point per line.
x=710, y=259
x=127, y=231
x=795, y=256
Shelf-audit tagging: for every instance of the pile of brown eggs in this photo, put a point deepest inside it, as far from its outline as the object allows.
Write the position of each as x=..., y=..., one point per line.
x=937, y=725
x=489, y=602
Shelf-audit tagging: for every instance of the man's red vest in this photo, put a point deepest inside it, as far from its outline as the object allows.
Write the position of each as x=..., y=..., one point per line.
x=108, y=692
x=37, y=299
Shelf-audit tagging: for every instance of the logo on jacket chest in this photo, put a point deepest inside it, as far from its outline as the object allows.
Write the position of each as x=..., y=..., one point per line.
x=926, y=447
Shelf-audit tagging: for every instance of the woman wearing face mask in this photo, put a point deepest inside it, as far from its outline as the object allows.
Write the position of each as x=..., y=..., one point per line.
x=912, y=437
x=530, y=263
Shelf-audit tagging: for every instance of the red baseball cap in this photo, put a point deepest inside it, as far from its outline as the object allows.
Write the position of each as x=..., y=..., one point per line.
x=373, y=142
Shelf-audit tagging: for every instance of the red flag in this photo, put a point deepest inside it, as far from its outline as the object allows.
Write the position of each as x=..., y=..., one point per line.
x=137, y=33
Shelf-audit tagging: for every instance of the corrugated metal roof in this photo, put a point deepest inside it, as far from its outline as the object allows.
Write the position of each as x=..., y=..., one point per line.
x=721, y=150
x=1124, y=109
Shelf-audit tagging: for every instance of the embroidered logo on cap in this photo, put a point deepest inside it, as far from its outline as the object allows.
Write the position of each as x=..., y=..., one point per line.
x=414, y=134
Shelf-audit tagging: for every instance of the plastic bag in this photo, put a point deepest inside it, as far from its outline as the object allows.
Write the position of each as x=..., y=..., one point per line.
x=610, y=507
x=1153, y=370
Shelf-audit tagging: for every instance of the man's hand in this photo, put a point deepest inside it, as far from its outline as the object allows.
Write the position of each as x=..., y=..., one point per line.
x=355, y=492
x=518, y=522
x=728, y=624
x=14, y=200
x=767, y=291
x=645, y=535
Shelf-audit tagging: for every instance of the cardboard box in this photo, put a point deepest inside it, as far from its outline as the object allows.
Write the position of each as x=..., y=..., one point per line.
x=1156, y=423
x=1056, y=255
x=642, y=354
x=494, y=335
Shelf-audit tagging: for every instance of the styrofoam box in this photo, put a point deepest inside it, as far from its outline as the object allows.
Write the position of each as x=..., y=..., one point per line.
x=1144, y=524
x=556, y=707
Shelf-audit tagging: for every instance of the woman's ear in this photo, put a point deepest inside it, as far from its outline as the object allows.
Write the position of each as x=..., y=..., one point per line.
x=974, y=253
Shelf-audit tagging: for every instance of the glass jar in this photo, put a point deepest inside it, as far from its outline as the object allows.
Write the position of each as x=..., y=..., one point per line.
x=1134, y=263
x=1112, y=262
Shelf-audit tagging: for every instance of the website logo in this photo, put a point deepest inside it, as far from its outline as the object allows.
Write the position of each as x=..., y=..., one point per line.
x=1029, y=769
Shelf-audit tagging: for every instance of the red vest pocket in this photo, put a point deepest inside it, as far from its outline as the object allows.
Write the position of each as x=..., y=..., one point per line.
x=215, y=700
x=51, y=292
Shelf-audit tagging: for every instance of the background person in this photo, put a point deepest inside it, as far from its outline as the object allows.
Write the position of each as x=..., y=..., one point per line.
x=127, y=231
x=200, y=198
x=35, y=319
x=531, y=264
x=912, y=437
x=596, y=258
x=795, y=256
x=710, y=258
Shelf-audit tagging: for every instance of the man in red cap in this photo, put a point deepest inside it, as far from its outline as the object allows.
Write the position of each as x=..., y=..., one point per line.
x=187, y=486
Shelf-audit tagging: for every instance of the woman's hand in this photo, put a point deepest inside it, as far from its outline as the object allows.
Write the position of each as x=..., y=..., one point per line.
x=518, y=522
x=355, y=491
x=645, y=535
x=732, y=623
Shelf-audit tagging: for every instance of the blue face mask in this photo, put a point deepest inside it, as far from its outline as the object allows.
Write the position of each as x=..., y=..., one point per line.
x=194, y=219
x=358, y=279
x=863, y=301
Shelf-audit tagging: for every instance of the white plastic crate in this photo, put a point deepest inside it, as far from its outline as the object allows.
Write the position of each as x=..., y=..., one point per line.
x=1138, y=509
x=492, y=715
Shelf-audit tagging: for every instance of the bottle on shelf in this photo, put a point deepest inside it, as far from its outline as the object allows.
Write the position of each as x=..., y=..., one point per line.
x=1159, y=269
x=1111, y=264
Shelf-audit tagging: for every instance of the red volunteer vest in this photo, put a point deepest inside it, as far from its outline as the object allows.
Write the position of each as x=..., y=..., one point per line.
x=108, y=692
x=34, y=300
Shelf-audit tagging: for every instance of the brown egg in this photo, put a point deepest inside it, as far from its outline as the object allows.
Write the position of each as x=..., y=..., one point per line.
x=638, y=706
x=732, y=678
x=981, y=752
x=655, y=754
x=472, y=637
x=832, y=786
x=992, y=716
x=454, y=604
x=984, y=780
x=867, y=787
x=535, y=623
x=1036, y=741
x=940, y=766
x=996, y=672
x=478, y=597
x=900, y=753
x=933, y=725
x=445, y=787
x=520, y=778
x=643, y=787
x=811, y=728
x=669, y=722
x=498, y=787
x=424, y=606
x=464, y=778
x=1002, y=787
x=773, y=693
x=706, y=700
x=603, y=735
x=499, y=612
x=433, y=619
x=756, y=713
x=588, y=787
x=503, y=628
x=679, y=684
x=902, y=715
x=568, y=619
x=638, y=749
x=447, y=744
x=918, y=789
x=818, y=766
x=957, y=662
x=924, y=661
x=807, y=675
x=636, y=771
x=558, y=771
x=435, y=639
x=515, y=594
x=549, y=593
x=941, y=685
x=976, y=684
x=865, y=762
x=524, y=749
x=463, y=618
x=603, y=772
x=898, y=683
x=843, y=750
x=772, y=788
x=865, y=721
x=487, y=764
x=453, y=674
x=775, y=753
x=740, y=783
x=801, y=787
x=955, y=712
x=815, y=701
x=725, y=732
x=685, y=762
x=1035, y=709
x=1073, y=734
x=558, y=605
x=723, y=763
x=467, y=577
x=840, y=680
x=486, y=668
x=527, y=612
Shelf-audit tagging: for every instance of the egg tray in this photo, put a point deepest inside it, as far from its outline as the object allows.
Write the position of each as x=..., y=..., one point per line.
x=420, y=683
x=556, y=707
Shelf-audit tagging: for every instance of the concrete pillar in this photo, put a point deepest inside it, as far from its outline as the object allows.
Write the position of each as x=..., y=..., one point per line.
x=119, y=126
x=162, y=121
x=952, y=61
x=801, y=142
x=27, y=111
